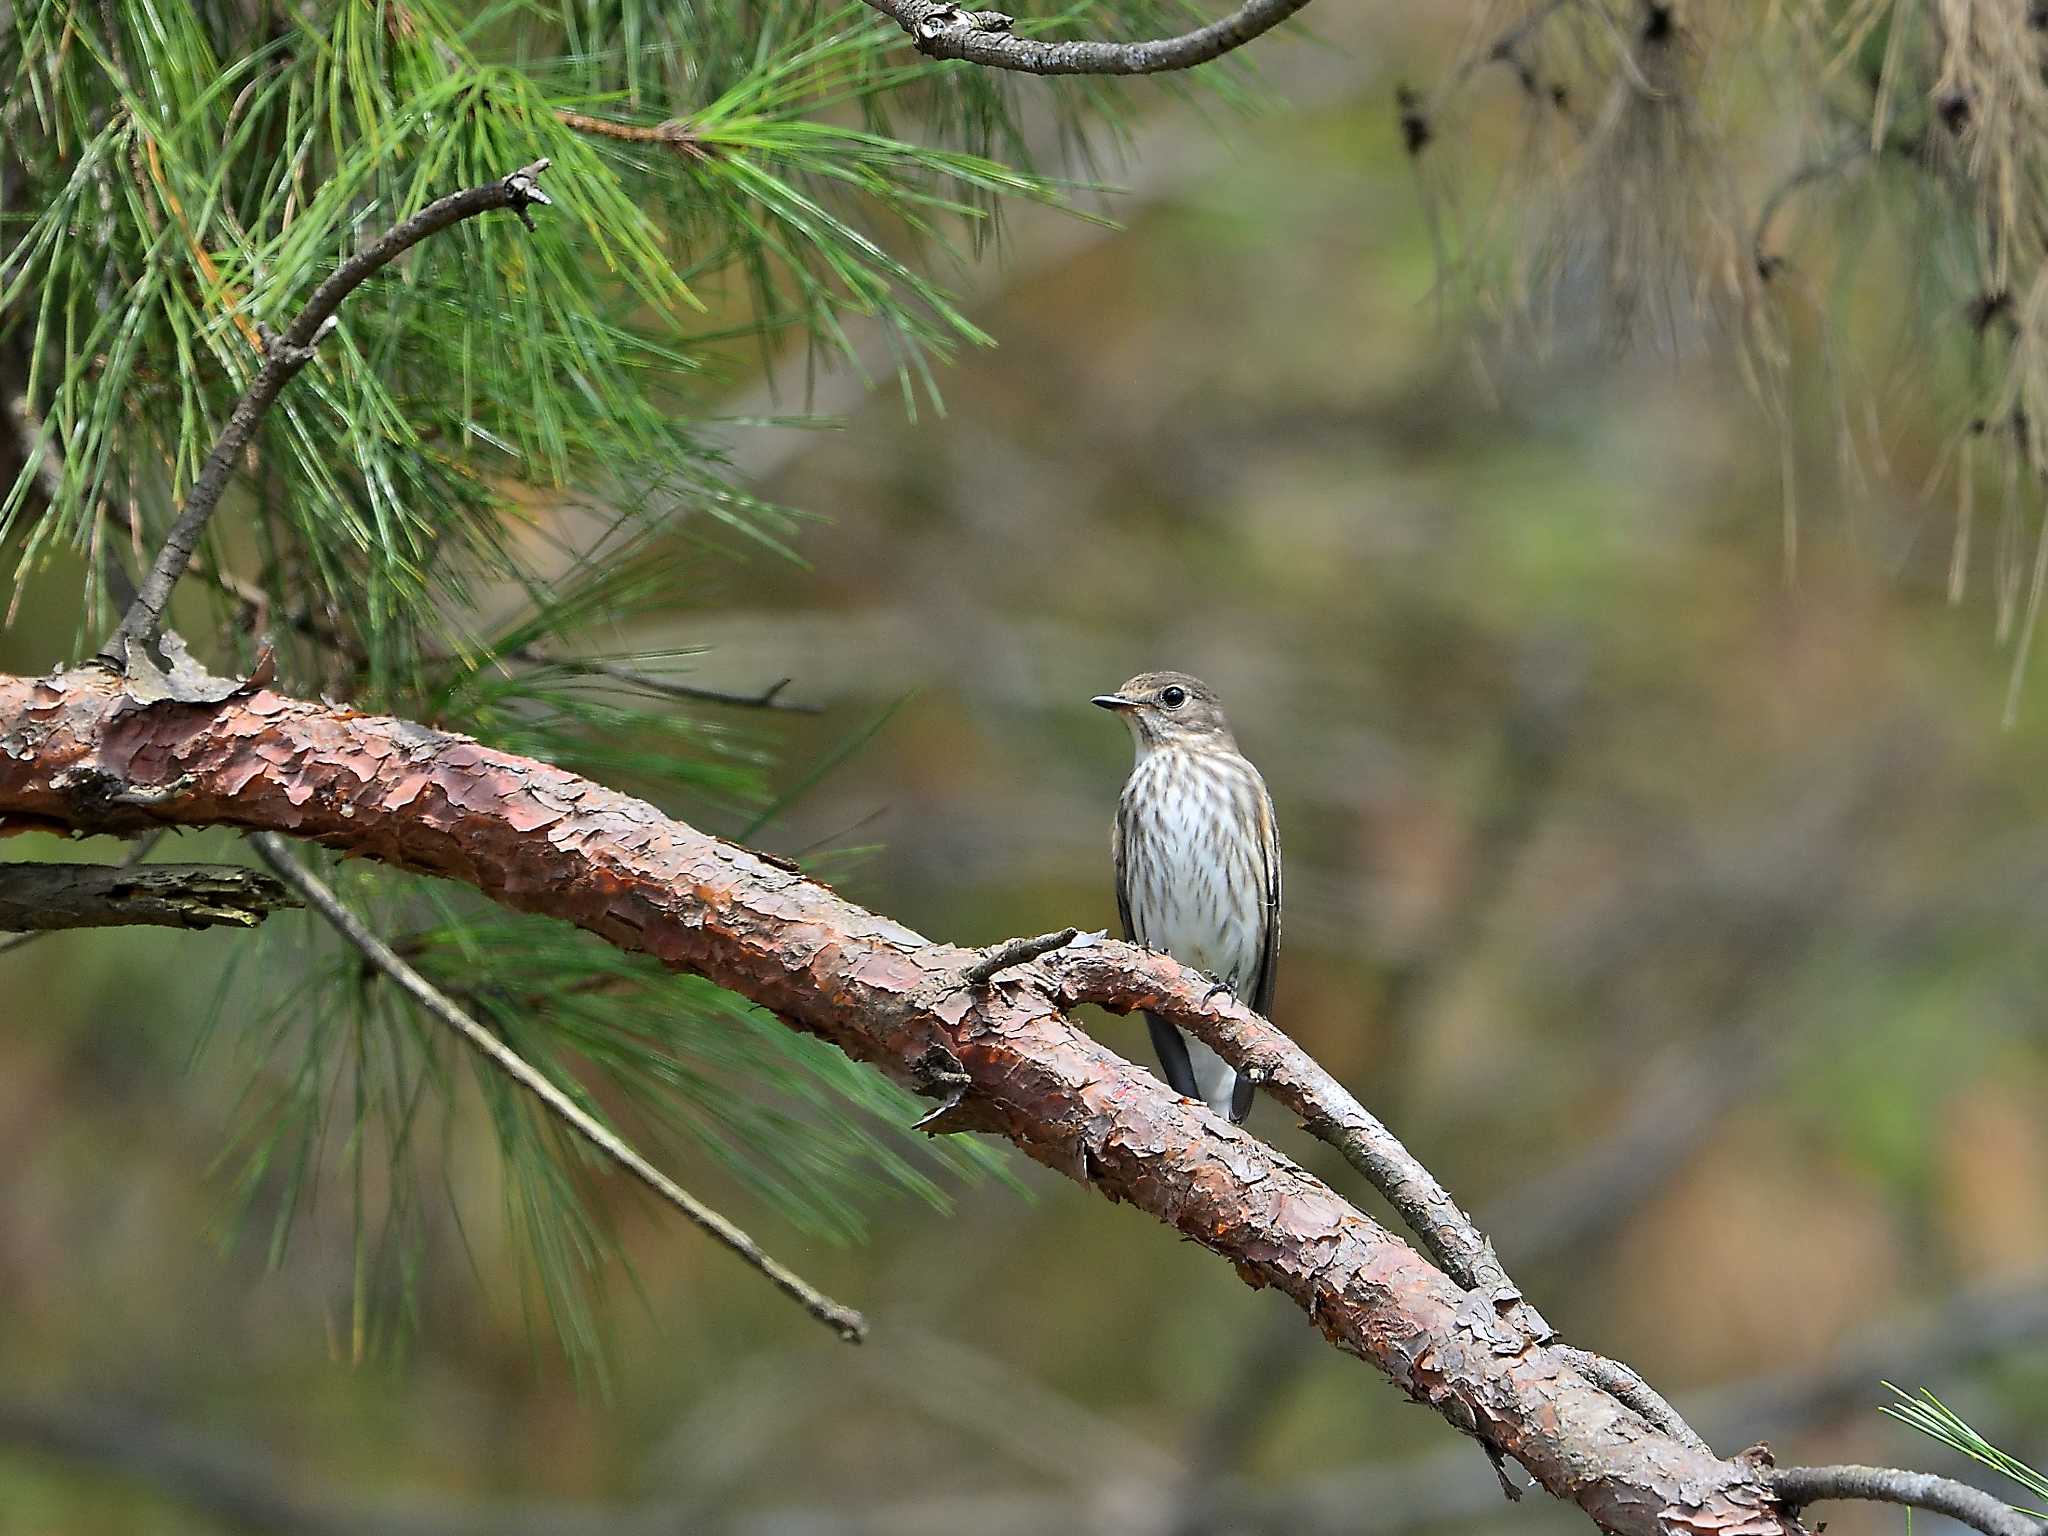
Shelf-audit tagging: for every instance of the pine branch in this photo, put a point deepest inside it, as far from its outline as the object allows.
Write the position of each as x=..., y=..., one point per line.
x=1125, y=979
x=1800, y=1486
x=41, y=898
x=844, y=1321
x=946, y=31
x=284, y=356
x=540, y=839
x=77, y=747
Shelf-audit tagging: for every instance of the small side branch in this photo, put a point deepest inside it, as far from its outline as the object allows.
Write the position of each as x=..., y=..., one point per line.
x=844, y=1321
x=675, y=134
x=1011, y=952
x=651, y=682
x=39, y=898
x=284, y=356
x=947, y=31
x=1626, y=1387
x=1800, y=1486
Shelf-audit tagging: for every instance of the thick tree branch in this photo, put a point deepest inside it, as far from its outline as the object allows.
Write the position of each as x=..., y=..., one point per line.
x=36, y=898
x=946, y=31
x=276, y=853
x=81, y=752
x=284, y=356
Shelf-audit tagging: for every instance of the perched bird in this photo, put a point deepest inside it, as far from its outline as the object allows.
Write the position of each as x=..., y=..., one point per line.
x=1197, y=856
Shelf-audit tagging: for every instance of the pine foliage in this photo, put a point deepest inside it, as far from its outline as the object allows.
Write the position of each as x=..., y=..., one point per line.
x=502, y=452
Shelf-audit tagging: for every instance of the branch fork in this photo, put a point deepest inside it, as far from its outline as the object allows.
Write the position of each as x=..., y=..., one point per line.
x=283, y=356
x=1454, y=1334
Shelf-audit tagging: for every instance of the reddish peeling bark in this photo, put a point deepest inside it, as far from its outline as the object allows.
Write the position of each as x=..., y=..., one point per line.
x=79, y=753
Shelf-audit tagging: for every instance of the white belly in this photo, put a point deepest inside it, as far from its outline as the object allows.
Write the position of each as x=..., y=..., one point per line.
x=1194, y=874
x=1195, y=880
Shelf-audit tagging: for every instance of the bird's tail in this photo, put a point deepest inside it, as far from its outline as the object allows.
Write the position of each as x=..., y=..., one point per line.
x=1194, y=1071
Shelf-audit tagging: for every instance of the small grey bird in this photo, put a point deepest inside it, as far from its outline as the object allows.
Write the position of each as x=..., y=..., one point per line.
x=1197, y=854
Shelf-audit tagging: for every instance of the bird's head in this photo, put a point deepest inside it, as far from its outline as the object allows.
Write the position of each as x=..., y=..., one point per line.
x=1170, y=709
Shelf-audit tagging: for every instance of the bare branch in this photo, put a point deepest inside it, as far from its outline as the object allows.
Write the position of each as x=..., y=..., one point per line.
x=1124, y=979
x=78, y=750
x=81, y=751
x=1625, y=1386
x=652, y=682
x=29, y=440
x=144, y=845
x=676, y=133
x=1800, y=1486
x=40, y=898
x=946, y=31
x=284, y=356
x=844, y=1321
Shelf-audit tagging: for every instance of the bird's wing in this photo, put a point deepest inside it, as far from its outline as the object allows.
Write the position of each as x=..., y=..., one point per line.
x=1261, y=989
x=1261, y=998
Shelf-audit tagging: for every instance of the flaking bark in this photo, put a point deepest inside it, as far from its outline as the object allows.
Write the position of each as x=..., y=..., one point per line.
x=78, y=753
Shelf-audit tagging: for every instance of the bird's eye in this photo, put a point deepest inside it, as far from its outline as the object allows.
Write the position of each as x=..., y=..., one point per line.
x=1173, y=697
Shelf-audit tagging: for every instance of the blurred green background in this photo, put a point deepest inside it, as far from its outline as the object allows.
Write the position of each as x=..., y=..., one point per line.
x=1684, y=919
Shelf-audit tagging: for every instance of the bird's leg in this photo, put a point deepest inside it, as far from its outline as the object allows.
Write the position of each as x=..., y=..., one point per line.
x=1217, y=988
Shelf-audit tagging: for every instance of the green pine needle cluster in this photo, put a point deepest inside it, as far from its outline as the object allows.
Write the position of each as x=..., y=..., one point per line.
x=499, y=458
x=1931, y=1416
x=349, y=1070
x=160, y=214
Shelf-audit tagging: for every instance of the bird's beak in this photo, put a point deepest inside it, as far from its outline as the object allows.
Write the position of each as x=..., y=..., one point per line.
x=1113, y=701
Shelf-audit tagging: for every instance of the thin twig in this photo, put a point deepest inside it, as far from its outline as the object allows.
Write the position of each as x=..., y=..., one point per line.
x=29, y=434
x=844, y=1321
x=284, y=356
x=767, y=698
x=676, y=133
x=1625, y=1386
x=1000, y=957
x=946, y=31
x=1800, y=1486
x=258, y=604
